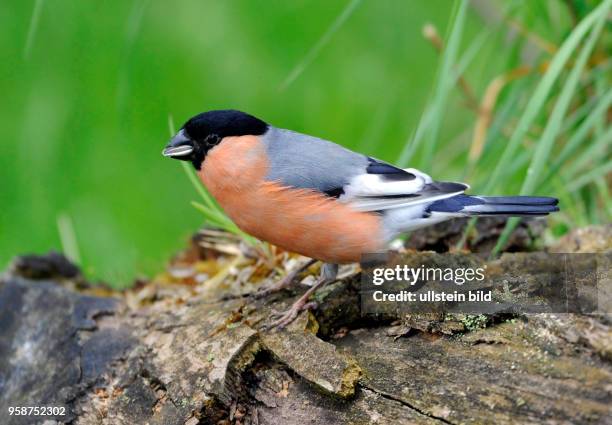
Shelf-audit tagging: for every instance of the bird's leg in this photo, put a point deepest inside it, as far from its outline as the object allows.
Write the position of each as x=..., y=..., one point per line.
x=328, y=274
x=285, y=282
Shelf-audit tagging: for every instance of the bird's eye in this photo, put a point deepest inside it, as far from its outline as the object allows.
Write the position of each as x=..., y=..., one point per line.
x=211, y=140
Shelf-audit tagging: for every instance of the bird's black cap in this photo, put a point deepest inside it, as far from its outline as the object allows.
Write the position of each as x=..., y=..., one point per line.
x=224, y=123
x=204, y=131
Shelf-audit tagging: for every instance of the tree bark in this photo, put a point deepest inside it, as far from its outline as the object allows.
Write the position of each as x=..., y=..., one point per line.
x=189, y=359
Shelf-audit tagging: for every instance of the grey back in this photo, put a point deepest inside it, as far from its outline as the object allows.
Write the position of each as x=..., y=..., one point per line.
x=308, y=162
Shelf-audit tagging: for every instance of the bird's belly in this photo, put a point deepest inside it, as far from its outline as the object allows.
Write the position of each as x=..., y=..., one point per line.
x=305, y=222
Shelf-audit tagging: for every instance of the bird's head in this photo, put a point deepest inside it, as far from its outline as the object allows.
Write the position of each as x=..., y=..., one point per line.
x=206, y=130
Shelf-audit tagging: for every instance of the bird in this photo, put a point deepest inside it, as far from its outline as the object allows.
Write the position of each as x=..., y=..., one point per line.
x=319, y=199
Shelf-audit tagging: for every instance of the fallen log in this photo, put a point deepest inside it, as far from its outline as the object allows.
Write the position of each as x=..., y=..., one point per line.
x=196, y=358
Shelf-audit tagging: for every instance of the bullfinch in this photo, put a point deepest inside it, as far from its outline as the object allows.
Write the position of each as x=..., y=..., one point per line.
x=316, y=198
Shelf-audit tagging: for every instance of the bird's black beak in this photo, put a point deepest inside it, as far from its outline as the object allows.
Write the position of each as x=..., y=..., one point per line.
x=179, y=147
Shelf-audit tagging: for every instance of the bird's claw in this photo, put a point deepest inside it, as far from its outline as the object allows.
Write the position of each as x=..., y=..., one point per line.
x=277, y=287
x=284, y=283
x=285, y=318
x=261, y=293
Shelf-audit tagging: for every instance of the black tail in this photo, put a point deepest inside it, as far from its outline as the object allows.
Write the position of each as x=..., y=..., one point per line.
x=517, y=206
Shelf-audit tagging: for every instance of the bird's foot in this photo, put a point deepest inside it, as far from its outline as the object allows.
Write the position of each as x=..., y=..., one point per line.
x=282, y=319
x=285, y=282
x=328, y=274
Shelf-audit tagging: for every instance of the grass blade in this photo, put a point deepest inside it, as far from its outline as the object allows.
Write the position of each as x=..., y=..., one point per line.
x=206, y=197
x=195, y=182
x=591, y=176
x=33, y=28
x=314, y=51
x=68, y=239
x=411, y=146
x=486, y=108
x=604, y=192
x=225, y=223
x=578, y=137
x=428, y=128
x=594, y=151
x=445, y=81
x=597, y=19
x=542, y=92
x=210, y=216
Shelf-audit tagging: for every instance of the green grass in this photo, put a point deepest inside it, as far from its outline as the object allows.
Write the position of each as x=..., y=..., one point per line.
x=593, y=22
x=87, y=101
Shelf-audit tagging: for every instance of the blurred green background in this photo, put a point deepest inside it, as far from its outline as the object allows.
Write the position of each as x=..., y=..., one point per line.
x=88, y=88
